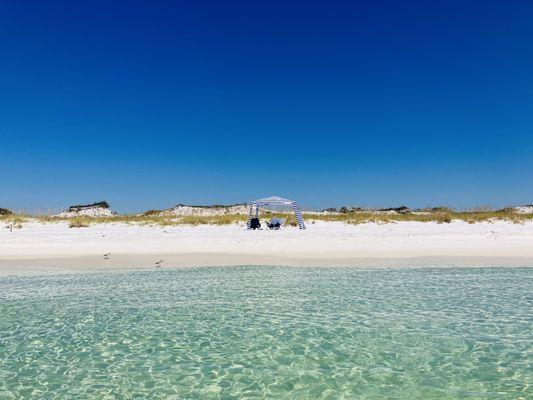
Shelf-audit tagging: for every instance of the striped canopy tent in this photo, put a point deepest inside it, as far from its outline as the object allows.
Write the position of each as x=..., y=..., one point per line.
x=275, y=201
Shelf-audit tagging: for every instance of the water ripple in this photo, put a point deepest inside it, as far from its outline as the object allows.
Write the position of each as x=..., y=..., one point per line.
x=269, y=332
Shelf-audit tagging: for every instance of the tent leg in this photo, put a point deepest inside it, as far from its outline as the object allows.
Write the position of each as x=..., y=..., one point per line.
x=299, y=217
x=250, y=213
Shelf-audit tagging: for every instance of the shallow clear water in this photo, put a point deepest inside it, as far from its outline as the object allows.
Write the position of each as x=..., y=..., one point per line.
x=269, y=332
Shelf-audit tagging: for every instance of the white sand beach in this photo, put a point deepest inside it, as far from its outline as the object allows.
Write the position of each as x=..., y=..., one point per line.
x=56, y=247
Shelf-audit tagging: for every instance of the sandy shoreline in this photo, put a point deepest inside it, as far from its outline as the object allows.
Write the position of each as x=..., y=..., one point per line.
x=55, y=247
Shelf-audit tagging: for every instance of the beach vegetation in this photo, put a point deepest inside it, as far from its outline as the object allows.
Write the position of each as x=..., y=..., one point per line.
x=79, y=222
x=353, y=216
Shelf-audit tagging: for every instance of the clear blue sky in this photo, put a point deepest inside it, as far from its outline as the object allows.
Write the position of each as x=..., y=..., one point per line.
x=379, y=103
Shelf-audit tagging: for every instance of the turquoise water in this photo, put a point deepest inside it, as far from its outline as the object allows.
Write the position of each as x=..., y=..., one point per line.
x=269, y=332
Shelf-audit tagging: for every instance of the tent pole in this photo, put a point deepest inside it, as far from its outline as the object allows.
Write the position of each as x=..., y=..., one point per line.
x=250, y=213
x=298, y=216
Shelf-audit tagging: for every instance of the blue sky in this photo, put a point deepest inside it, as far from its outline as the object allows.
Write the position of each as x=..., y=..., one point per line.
x=378, y=103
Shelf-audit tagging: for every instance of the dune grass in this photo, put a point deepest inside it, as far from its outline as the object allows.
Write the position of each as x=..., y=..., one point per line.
x=354, y=218
x=445, y=216
x=79, y=222
x=14, y=221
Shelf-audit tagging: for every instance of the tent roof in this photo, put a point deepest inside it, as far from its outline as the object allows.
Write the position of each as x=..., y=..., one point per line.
x=273, y=200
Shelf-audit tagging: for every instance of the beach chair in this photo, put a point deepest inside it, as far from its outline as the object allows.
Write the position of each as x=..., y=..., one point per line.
x=275, y=223
x=255, y=224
